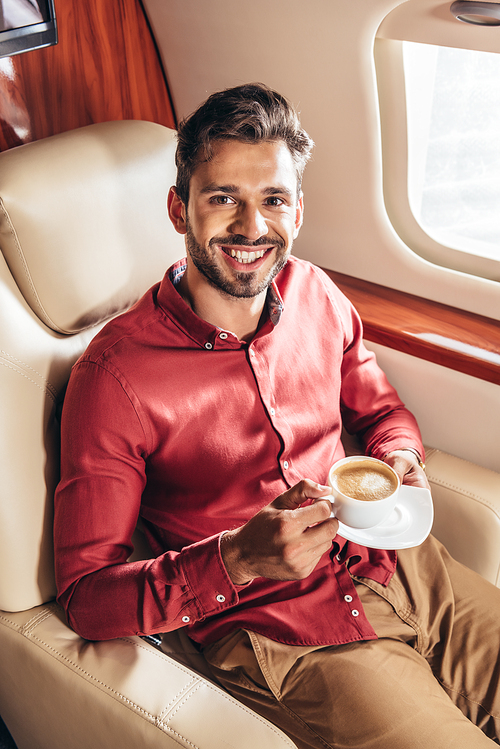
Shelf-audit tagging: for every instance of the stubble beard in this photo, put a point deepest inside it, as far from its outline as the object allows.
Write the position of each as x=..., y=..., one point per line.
x=244, y=285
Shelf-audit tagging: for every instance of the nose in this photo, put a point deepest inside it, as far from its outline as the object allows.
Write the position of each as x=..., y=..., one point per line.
x=249, y=222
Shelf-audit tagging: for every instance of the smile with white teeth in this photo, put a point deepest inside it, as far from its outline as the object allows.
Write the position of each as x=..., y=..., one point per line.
x=247, y=257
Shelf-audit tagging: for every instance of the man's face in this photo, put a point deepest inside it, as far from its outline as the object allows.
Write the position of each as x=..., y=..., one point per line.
x=242, y=216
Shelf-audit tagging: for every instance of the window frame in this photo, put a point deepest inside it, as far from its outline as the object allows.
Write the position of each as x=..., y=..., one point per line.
x=388, y=55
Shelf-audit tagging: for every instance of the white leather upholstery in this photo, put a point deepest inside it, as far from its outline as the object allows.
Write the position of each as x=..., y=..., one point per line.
x=61, y=692
x=83, y=233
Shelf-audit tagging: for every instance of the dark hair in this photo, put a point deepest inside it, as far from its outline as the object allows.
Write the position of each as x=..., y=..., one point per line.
x=249, y=113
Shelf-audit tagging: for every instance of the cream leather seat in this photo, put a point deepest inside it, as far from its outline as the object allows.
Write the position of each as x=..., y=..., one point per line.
x=83, y=233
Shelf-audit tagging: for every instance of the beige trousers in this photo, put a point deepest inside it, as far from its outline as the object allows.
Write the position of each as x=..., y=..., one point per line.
x=431, y=679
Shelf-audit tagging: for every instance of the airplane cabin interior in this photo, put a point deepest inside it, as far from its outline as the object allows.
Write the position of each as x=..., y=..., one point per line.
x=401, y=198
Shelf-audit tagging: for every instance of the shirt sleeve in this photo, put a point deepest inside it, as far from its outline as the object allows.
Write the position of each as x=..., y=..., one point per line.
x=371, y=407
x=104, y=443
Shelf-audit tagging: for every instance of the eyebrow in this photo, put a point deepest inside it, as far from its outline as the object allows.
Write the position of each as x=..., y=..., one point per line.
x=212, y=187
x=234, y=190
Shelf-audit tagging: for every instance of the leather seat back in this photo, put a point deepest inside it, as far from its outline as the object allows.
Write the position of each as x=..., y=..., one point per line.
x=84, y=232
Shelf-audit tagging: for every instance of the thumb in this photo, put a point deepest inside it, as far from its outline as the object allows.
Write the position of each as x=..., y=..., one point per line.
x=299, y=494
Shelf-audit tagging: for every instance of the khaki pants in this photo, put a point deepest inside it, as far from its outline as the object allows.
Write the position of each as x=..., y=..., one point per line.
x=431, y=679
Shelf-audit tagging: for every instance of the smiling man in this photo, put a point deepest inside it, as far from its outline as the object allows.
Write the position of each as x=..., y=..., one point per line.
x=242, y=216
x=213, y=410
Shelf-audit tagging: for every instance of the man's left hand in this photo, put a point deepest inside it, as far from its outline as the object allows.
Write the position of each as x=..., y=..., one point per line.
x=406, y=465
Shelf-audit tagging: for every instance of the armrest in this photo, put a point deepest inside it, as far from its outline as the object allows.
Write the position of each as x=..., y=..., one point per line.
x=466, y=511
x=58, y=690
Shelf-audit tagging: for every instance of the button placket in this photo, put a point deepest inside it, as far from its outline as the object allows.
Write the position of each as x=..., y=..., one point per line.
x=259, y=366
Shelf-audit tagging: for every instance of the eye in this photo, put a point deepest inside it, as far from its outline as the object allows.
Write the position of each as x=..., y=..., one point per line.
x=274, y=201
x=222, y=200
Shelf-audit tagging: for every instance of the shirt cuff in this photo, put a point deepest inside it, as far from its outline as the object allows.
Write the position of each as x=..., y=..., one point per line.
x=207, y=579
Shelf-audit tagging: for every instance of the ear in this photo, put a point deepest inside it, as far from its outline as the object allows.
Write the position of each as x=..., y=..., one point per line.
x=299, y=215
x=176, y=211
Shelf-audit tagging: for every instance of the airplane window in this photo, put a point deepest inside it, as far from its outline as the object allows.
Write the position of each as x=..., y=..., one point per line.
x=453, y=115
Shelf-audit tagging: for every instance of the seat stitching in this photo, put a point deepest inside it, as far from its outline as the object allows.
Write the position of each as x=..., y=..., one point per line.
x=163, y=716
x=200, y=682
x=44, y=390
x=24, y=365
x=464, y=493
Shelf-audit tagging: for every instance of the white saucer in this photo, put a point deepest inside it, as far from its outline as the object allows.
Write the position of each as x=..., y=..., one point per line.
x=408, y=525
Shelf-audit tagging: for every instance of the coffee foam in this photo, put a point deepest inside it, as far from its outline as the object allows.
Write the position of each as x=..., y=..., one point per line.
x=364, y=481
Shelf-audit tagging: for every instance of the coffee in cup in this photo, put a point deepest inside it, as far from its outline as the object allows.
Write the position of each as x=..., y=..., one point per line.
x=365, y=480
x=364, y=490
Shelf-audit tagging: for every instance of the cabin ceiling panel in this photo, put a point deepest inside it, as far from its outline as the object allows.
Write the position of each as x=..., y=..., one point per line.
x=430, y=22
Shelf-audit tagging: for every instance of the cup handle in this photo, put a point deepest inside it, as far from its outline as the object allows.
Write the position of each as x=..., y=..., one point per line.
x=331, y=499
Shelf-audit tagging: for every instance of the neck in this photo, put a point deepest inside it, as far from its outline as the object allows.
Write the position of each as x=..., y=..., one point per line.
x=240, y=316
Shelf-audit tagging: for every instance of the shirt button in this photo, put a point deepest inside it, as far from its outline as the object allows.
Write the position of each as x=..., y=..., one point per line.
x=272, y=412
x=252, y=352
x=285, y=464
x=348, y=599
x=355, y=612
x=186, y=619
x=223, y=336
x=338, y=558
x=208, y=345
x=221, y=598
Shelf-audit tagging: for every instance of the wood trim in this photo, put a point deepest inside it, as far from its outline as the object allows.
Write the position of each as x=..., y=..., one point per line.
x=105, y=67
x=441, y=334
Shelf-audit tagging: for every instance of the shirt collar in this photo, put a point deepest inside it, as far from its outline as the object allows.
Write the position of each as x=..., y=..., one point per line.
x=205, y=334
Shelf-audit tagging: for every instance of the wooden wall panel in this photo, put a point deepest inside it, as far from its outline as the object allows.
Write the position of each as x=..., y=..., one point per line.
x=105, y=67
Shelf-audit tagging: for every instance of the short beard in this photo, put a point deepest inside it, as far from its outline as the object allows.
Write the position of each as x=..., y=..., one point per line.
x=243, y=285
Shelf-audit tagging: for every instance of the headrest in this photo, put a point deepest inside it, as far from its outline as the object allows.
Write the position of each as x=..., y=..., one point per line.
x=83, y=221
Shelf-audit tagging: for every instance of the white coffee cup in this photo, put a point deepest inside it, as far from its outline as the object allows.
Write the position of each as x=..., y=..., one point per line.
x=364, y=491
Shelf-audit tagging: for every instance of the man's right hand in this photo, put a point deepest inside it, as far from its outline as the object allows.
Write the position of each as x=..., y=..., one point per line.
x=284, y=541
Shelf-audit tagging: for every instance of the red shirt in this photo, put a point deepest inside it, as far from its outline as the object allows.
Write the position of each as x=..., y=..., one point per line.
x=177, y=421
